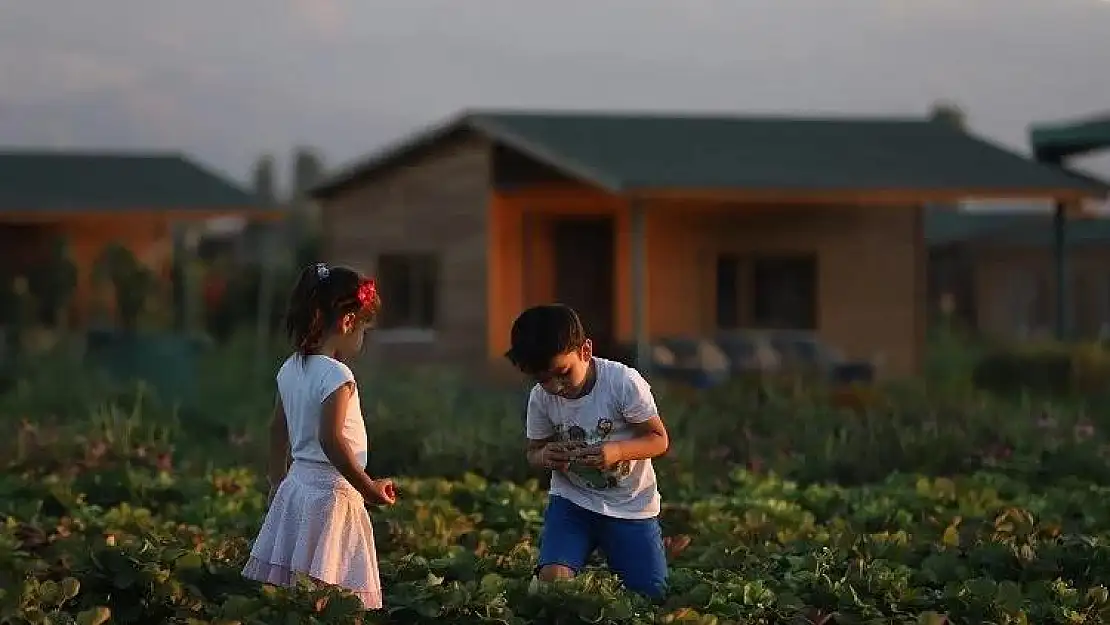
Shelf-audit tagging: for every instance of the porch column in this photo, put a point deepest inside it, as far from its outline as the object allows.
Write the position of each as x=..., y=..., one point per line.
x=638, y=246
x=528, y=268
x=1059, y=250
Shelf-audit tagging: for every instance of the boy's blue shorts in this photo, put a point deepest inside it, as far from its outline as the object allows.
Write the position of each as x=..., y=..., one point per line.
x=632, y=547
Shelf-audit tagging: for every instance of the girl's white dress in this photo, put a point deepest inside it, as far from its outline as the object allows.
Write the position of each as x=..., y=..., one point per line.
x=317, y=524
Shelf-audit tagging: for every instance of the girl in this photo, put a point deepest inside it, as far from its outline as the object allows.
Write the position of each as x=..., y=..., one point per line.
x=317, y=523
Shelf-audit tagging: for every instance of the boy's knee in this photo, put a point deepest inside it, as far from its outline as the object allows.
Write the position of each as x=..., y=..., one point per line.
x=652, y=587
x=555, y=572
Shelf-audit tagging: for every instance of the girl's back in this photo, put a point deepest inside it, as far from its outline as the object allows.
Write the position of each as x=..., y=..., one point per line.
x=304, y=383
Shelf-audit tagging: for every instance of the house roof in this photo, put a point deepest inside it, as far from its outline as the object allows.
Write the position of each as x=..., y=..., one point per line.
x=946, y=226
x=43, y=181
x=641, y=151
x=1057, y=141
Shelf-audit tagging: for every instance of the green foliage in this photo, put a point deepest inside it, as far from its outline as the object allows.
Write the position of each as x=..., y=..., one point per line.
x=52, y=283
x=929, y=503
x=1048, y=370
x=132, y=283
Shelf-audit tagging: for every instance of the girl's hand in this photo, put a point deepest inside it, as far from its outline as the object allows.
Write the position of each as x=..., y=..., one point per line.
x=383, y=492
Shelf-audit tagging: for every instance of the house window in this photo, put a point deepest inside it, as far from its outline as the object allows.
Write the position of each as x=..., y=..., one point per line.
x=774, y=292
x=409, y=286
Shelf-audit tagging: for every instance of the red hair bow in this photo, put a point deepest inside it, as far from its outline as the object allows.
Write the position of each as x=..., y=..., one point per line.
x=367, y=293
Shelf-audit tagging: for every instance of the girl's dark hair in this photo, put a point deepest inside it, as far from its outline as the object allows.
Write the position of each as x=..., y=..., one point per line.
x=320, y=298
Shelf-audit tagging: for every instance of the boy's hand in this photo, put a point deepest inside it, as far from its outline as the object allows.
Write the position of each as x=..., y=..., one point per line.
x=602, y=456
x=383, y=492
x=556, y=456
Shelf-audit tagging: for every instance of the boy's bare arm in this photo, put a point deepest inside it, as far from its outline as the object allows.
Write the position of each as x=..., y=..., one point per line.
x=650, y=441
x=547, y=454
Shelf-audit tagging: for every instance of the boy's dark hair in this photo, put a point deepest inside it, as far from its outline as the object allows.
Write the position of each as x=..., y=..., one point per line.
x=320, y=298
x=541, y=333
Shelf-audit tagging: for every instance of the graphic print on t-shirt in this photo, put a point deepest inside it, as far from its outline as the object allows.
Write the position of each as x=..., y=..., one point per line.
x=579, y=437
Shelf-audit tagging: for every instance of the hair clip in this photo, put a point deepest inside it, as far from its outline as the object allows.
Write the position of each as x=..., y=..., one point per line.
x=322, y=271
x=367, y=293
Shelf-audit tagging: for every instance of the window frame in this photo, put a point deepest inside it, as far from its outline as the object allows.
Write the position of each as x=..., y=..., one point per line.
x=419, y=273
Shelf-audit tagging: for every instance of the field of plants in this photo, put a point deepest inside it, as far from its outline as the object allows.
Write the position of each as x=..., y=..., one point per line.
x=924, y=504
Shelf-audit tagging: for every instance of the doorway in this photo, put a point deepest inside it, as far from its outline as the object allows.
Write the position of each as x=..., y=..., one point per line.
x=584, y=276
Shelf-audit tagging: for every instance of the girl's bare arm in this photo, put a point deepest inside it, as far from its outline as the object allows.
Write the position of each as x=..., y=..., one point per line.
x=335, y=446
x=279, y=445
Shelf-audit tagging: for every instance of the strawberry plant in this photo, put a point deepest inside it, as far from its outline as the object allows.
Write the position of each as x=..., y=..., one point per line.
x=919, y=509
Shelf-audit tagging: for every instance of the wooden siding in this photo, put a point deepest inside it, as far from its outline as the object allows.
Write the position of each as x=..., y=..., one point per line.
x=437, y=205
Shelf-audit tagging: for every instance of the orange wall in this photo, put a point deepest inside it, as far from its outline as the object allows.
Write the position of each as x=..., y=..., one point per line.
x=510, y=256
x=871, y=266
x=146, y=235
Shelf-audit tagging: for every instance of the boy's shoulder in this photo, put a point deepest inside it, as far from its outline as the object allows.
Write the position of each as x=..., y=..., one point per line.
x=616, y=372
x=614, y=367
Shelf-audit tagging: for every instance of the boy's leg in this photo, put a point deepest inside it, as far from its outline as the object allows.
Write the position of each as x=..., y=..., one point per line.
x=634, y=550
x=566, y=541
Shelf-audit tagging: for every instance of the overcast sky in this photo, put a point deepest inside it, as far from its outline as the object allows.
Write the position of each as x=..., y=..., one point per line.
x=227, y=80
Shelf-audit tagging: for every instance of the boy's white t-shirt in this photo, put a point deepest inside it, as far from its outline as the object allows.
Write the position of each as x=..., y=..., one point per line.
x=620, y=397
x=304, y=384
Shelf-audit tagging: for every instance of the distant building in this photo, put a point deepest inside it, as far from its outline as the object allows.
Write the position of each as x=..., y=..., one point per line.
x=655, y=225
x=93, y=199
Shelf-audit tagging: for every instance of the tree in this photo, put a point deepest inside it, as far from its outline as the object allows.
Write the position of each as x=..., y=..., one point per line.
x=265, y=183
x=308, y=170
x=53, y=282
x=132, y=282
x=948, y=112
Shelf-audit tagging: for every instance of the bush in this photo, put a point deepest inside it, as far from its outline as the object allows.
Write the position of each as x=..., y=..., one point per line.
x=911, y=503
x=1052, y=371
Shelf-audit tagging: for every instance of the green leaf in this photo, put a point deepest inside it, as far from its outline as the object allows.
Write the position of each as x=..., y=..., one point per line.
x=982, y=588
x=70, y=588
x=951, y=536
x=1098, y=595
x=50, y=593
x=427, y=609
x=94, y=616
x=492, y=582
x=238, y=607
x=189, y=562
x=1010, y=596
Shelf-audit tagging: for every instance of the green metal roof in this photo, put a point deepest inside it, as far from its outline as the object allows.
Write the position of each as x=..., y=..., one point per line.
x=62, y=181
x=946, y=226
x=640, y=151
x=1058, y=141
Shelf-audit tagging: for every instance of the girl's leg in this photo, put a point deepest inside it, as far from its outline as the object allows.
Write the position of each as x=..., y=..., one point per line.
x=634, y=551
x=566, y=541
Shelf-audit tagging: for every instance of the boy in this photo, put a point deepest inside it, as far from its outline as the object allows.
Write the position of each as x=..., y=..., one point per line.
x=594, y=424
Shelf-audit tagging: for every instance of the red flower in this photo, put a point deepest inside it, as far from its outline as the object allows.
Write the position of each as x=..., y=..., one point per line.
x=367, y=293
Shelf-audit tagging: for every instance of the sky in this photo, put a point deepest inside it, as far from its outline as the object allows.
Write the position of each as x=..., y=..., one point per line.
x=229, y=80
